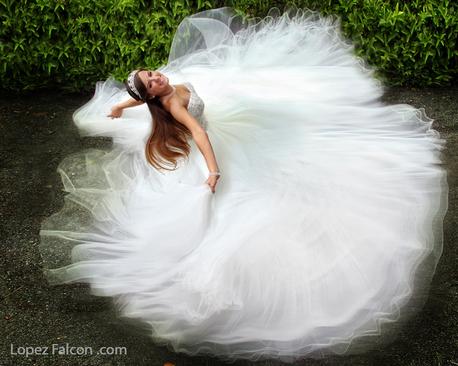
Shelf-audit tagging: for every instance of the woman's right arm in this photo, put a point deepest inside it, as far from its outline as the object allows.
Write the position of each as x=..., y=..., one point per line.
x=116, y=111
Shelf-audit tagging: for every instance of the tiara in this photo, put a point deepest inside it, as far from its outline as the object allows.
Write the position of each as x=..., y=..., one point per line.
x=131, y=84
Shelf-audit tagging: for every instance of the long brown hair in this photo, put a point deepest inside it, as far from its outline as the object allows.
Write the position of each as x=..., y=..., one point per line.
x=168, y=141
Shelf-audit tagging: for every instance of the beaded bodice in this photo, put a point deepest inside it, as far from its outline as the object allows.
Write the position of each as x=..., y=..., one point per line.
x=196, y=105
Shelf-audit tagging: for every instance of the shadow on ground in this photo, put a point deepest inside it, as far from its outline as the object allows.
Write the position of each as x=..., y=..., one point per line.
x=37, y=133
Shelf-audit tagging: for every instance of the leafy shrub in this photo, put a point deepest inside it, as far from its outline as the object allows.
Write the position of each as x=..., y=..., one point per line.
x=411, y=43
x=74, y=43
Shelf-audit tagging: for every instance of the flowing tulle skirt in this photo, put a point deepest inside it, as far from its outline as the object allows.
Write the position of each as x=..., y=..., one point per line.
x=326, y=225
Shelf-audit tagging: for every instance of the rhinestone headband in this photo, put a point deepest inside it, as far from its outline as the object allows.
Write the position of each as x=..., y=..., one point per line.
x=131, y=84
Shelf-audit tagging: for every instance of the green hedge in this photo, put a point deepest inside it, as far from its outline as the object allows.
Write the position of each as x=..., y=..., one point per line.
x=410, y=42
x=72, y=44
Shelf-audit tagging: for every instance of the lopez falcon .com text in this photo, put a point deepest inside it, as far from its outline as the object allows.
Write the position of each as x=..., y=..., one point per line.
x=65, y=349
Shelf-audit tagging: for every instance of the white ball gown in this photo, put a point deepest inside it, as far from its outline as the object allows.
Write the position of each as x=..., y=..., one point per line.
x=326, y=225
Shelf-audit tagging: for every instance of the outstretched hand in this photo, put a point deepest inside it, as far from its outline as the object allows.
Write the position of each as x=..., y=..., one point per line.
x=211, y=181
x=116, y=112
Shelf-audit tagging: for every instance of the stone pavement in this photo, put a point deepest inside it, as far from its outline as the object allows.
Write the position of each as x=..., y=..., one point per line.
x=37, y=133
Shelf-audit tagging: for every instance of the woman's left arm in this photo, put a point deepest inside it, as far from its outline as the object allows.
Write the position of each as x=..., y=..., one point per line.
x=200, y=136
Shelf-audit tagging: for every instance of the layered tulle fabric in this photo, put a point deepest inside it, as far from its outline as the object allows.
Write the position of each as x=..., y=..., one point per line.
x=326, y=225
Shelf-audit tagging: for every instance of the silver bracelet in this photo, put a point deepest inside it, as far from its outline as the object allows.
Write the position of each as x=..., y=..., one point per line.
x=214, y=173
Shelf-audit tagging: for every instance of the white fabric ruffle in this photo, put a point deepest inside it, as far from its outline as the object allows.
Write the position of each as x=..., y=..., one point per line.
x=326, y=223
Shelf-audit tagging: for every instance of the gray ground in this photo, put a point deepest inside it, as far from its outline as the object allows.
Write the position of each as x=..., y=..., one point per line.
x=37, y=133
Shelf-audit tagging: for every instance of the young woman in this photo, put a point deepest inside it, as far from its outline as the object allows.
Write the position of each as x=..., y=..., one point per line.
x=168, y=105
x=326, y=225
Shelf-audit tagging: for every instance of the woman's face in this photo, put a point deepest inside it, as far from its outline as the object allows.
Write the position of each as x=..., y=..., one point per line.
x=154, y=82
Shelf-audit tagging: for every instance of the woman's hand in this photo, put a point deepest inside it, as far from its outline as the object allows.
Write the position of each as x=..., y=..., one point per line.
x=116, y=112
x=211, y=181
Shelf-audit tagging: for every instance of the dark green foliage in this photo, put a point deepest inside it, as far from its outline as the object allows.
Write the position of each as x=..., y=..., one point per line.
x=73, y=43
x=411, y=42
